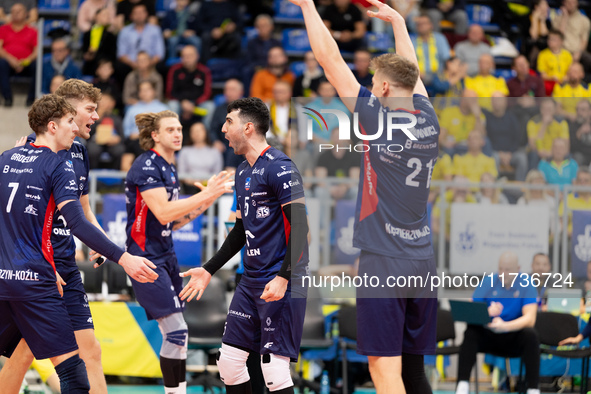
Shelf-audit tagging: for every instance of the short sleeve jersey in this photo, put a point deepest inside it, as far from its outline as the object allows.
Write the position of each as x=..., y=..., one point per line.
x=33, y=181
x=64, y=247
x=261, y=190
x=513, y=298
x=146, y=236
x=391, y=215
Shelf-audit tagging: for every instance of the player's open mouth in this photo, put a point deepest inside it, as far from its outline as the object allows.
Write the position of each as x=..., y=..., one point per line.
x=88, y=126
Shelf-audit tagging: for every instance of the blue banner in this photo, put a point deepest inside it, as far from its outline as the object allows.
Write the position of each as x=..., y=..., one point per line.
x=581, y=243
x=187, y=240
x=344, y=252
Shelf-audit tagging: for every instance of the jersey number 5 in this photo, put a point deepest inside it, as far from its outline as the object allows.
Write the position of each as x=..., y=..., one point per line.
x=418, y=166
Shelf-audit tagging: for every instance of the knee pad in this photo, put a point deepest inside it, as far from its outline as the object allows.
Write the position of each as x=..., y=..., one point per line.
x=174, y=336
x=232, y=365
x=276, y=371
x=73, y=377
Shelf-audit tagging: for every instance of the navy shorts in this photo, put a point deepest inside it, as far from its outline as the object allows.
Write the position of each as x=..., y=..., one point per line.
x=161, y=298
x=77, y=302
x=265, y=327
x=43, y=323
x=403, y=322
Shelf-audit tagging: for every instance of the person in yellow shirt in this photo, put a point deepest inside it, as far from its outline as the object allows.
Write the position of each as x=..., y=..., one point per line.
x=554, y=61
x=484, y=84
x=459, y=194
x=567, y=95
x=542, y=129
x=578, y=201
x=457, y=121
x=474, y=163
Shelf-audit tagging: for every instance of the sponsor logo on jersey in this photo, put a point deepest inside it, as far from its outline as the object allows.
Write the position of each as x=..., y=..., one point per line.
x=268, y=345
x=82, y=178
x=166, y=233
x=287, y=185
x=81, y=186
x=269, y=328
x=259, y=171
x=148, y=163
x=72, y=183
x=34, y=197
x=271, y=157
x=34, y=187
x=253, y=252
x=64, y=232
x=163, y=168
x=254, y=194
x=247, y=184
x=241, y=315
x=263, y=212
x=172, y=178
x=77, y=156
x=31, y=210
x=240, y=173
x=282, y=173
x=69, y=163
x=22, y=158
x=6, y=169
x=150, y=180
x=148, y=168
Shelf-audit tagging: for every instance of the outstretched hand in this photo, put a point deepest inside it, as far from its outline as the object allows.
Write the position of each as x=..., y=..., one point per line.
x=219, y=184
x=200, y=278
x=384, y=12
x=139, y=268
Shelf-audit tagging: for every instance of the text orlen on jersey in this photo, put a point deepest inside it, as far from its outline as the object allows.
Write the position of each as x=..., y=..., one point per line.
x=386, y=124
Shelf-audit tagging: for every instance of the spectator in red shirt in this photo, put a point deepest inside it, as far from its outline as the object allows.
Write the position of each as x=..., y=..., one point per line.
x=188, y=86
x=18, y=51
x=526, y=82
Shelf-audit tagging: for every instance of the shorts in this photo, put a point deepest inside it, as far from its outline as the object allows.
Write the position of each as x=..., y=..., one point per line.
x=42, y=322
x=265, y=327
x=403, y=323
x=161, y=298
x=77, y=303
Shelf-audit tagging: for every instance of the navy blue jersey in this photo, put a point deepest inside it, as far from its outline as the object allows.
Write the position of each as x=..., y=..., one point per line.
x=145, y=235
x=391, y=215
x=32, y=182
x=64, y=247
x=261, y=189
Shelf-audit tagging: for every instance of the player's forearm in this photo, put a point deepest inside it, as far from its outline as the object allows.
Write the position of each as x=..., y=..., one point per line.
x=187, y=218
x=323, y=45
x=404, y=46
x=177, y=210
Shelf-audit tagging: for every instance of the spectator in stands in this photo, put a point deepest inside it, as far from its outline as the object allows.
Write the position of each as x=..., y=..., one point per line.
x=306, y=85
x=470, y=50
x=554, y=61
x=147, y=103
x=449, y=84
x=98, y=42
x=450, y=10
x=512, y=307
x=488, y=194
x=339, y=163
x=345, y=22
x=580, y=133
x=282, y=114
x=139, y=36
x=578, y=201
x=125, y=10
x=264, y=80
x=199, y=160
x=568, y=93
x=105, y=81
x=30, y=7
x=259, y=46
x=88, y=11
x=460, y=193
x=538, y=197
x=106, y=146
x=559, y=169
x=474, y=163
x=361, y=71
x=432, y=49
x=408, y=9
x=485, y=84
x=458, y=121
x=540, y=25
x=144, y=71
x=575, y=28
x=442, y=171
x=18, y=51
x=178, y=28
x=60, y=63
x=56, y=81
x=505, y=135
x=542, y=129
x=541, y=268
x=526, y=82
x=188, y=86
x=233, y=90
x=218, y=24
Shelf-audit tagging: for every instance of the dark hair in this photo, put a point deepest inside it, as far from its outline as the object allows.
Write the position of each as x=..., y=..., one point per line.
x=253, y=110
x=556, y=33
x=208, y=140
x=50, y=107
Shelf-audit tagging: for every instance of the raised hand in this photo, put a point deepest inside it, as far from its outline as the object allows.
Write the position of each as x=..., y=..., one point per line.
x=219, y=184
x=300, y=2
x=139, y=268
x=384, y=12
x=200, y=278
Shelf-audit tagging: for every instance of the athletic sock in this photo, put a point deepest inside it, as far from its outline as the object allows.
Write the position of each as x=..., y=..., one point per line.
x=533, y=391
x=242, y=388
x=463, y=387
x=287, y=390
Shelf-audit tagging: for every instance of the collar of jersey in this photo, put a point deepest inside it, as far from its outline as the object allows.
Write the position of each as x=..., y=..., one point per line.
x=155, y=151
x=39, y=146
x=264, y=150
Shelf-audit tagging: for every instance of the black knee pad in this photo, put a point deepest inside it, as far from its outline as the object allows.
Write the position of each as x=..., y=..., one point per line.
x=73, y=377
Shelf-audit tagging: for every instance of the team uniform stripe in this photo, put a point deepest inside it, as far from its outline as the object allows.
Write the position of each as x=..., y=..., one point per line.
x=46, y=235
x=138, y=230
x=369, y=196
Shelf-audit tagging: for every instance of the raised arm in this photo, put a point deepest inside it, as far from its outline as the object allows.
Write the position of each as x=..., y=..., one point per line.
x=404, y=46
x=327, y=52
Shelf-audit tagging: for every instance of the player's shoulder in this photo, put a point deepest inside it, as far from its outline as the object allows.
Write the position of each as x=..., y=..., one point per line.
x=241, y=169
x=147, y=161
